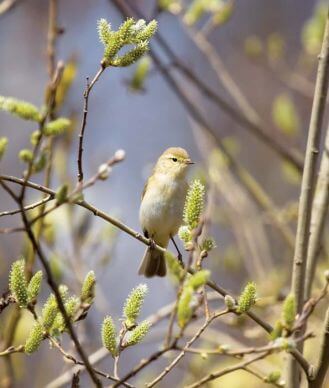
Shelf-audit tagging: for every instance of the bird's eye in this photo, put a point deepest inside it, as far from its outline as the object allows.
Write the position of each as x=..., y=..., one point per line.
x=174, y=159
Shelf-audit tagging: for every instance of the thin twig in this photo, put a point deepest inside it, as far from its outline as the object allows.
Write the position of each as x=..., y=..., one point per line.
x=138, y=236
x=295, y=158
x=318, y=218
x=26, y=208
x=188, y=344
x=86, y=93
x=307, y=189
x=225, y=371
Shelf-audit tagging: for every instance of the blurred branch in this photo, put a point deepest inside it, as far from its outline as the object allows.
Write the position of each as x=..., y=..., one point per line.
x=318, y=218
x=250, y=184
x=58, y=296
x=129, y=9
x=307, y=189
x=323, y=363
x=186, y=347
x=29, y=207
x=138, y=236
x=7, y=5
x=86, y=93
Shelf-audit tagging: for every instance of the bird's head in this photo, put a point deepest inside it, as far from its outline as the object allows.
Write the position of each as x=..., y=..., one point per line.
x=174, y=161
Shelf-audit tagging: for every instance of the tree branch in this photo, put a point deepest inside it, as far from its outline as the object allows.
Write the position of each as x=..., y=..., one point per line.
x=307, y=189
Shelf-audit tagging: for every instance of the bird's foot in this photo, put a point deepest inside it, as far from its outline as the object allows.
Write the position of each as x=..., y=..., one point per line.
x=152, y=244
x=180, y=260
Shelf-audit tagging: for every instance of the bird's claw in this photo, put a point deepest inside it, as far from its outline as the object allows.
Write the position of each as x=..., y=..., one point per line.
x=180, y=260
x=152, y=244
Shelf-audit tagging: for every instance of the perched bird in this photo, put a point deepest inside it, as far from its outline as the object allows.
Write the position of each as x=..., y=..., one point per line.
x=162, y=207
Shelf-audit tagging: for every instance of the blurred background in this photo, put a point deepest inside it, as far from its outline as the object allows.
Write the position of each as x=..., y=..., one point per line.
x=268, y=49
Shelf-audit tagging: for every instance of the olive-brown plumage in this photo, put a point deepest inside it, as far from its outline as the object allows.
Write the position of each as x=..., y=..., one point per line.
x=162, y=206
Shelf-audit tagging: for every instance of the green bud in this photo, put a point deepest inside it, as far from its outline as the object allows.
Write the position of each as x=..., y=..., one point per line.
x=71, y=306
x=34, y=286
x=57, y=127
x=40, y=164
x=248, y=298
x=273, y=377
x=109, y=336
x=20, y=108
x=230, y=302
x=198, y=279
x=61, y=194
x=138, y=333
x=195, y=12
x=131, y=56
x=194, y=204
x=130, y=32
x=277, y=331
x=34, y=339
x=3, y=146
x=35, y=137
x=185, y=234
x=140, y=74
x=174, y=267
x=104, y=31
x=146, y=31
x=49, y=312
x=25, y=155
x=88, y=288
x=64, y=291
x=208, y=244
x=253, y=46
x=133, y=304
x=184, y=310
x=285, y=115
x=17, y=283
x=289, y=311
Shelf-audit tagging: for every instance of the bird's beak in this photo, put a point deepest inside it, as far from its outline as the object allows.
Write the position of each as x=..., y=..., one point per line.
x=189, y=161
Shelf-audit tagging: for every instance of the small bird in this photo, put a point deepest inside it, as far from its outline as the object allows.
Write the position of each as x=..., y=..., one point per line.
x=162, y=207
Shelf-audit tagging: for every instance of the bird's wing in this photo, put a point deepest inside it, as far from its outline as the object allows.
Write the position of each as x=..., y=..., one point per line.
x=145, y=188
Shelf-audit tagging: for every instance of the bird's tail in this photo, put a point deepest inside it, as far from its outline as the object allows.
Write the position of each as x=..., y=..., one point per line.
x=153, y=264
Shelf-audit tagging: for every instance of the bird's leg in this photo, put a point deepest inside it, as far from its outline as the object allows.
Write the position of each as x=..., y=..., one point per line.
x=152, y=243
x=179, y=255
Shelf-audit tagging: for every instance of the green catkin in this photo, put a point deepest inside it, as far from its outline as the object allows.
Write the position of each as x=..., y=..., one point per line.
x=194, y=204
x=17, y=283
x=247, y=298
x=33, y=289
x=138, y=333
x=108, y=334
x=133, y=304
x=34, y=339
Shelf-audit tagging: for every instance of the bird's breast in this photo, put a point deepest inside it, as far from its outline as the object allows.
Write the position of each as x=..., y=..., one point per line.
x=162, y=206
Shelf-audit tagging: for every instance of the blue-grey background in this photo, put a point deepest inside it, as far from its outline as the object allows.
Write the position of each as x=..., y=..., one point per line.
x=141, y=124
